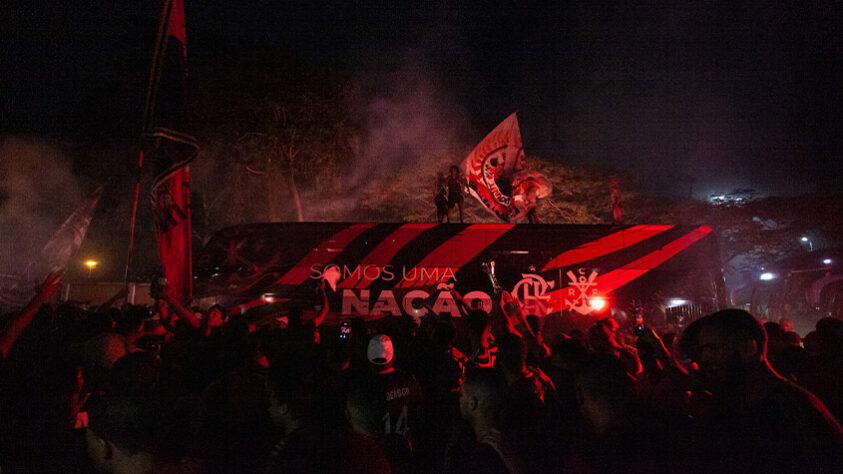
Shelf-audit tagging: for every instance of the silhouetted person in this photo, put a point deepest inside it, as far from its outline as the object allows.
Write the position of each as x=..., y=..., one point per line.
x=120, y=435
x=605, y=337
x=306, y=445
x=440, y=197
x=365, y=406
x=786, y=324
x=824, y=370
x=455, y=193
x=619, y=434
x=617, y=204
x=531, y=412
x=482, y=397
x=400, y=390
x=482, y=347
x=758, y=422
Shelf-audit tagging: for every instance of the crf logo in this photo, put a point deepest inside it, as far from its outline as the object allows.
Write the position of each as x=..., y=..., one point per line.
x=581, y=289
x=531, y=290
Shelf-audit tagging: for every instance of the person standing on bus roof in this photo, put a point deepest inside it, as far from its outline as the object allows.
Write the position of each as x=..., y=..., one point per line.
x=455, y=195
x=617, y=210
x=440, y=197
x=401, y=391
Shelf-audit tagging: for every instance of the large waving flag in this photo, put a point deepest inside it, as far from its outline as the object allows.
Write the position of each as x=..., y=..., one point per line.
x=496, y=174
x=54, y=256
x=170, y=148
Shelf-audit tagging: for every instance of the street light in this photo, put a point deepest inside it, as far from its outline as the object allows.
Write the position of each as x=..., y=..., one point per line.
x=91, y=264
x=674, y=302
x=806, y=240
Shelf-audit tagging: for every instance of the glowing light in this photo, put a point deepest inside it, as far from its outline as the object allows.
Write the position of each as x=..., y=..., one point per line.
x=91, y=264
x=269, y=297
x=716, y=199
x=674, y=302
x=805, y=240
x=597, y=304
x=827, y=261
x=767, y=276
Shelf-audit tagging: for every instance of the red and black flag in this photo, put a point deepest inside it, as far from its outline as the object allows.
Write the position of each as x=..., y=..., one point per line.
x=497, y=175
x=170, y=148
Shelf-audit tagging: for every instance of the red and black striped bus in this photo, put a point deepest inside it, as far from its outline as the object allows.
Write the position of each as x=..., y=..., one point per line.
x=388, y=269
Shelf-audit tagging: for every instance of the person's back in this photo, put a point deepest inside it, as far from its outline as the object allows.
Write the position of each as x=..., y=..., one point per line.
x=308, y=445
x=531, y=411
x=403, y=400
x=120, y=435
x=824, y=370
x=492, y=449
x=365, y=405
x=617, y=434
x=400, y=389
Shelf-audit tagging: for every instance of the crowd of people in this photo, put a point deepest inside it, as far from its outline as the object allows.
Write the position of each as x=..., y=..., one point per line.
x=167, y=389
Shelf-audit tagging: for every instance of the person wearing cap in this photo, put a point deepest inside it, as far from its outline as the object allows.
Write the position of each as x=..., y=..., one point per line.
x=400, y=389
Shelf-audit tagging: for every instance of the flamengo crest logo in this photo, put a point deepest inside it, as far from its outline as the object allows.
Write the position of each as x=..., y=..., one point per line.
x=585, y=287
x=531, y=290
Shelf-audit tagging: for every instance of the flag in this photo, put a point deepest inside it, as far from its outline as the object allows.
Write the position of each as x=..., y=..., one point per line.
x=170, y=148
x=54, y=256
x=496, y=175
x=67, y=240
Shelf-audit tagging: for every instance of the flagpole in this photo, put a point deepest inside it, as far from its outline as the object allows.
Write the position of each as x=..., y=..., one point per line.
x=154, y=75
x=134, y=219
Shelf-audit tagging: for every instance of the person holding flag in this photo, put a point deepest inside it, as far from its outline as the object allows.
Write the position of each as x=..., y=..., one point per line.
x=497, y=176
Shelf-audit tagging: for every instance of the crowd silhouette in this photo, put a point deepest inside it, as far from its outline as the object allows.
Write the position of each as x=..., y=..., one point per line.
x=165, y=389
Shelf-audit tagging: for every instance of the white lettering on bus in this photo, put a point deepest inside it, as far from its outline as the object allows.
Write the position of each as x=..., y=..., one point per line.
x=407, y=304
x=350, y=300
x=386, y=304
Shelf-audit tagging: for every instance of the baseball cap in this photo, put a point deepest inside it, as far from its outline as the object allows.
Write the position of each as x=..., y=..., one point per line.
x=380, y=351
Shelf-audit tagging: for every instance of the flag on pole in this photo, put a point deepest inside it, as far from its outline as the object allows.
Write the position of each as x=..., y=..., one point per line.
x=496, y=175
x=170, y=148
x=67, y=240
x=54, y=256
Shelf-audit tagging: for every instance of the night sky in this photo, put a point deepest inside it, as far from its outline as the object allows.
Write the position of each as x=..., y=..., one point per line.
x=718, y=94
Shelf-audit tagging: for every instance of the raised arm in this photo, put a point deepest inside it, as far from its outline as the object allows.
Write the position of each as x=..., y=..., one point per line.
x=461, y=304
x=18, y=323
x=182, y=311
x=320, y=317
x=512, y=309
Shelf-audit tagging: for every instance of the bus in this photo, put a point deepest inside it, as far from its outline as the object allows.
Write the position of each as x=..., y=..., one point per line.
x=669, y=274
